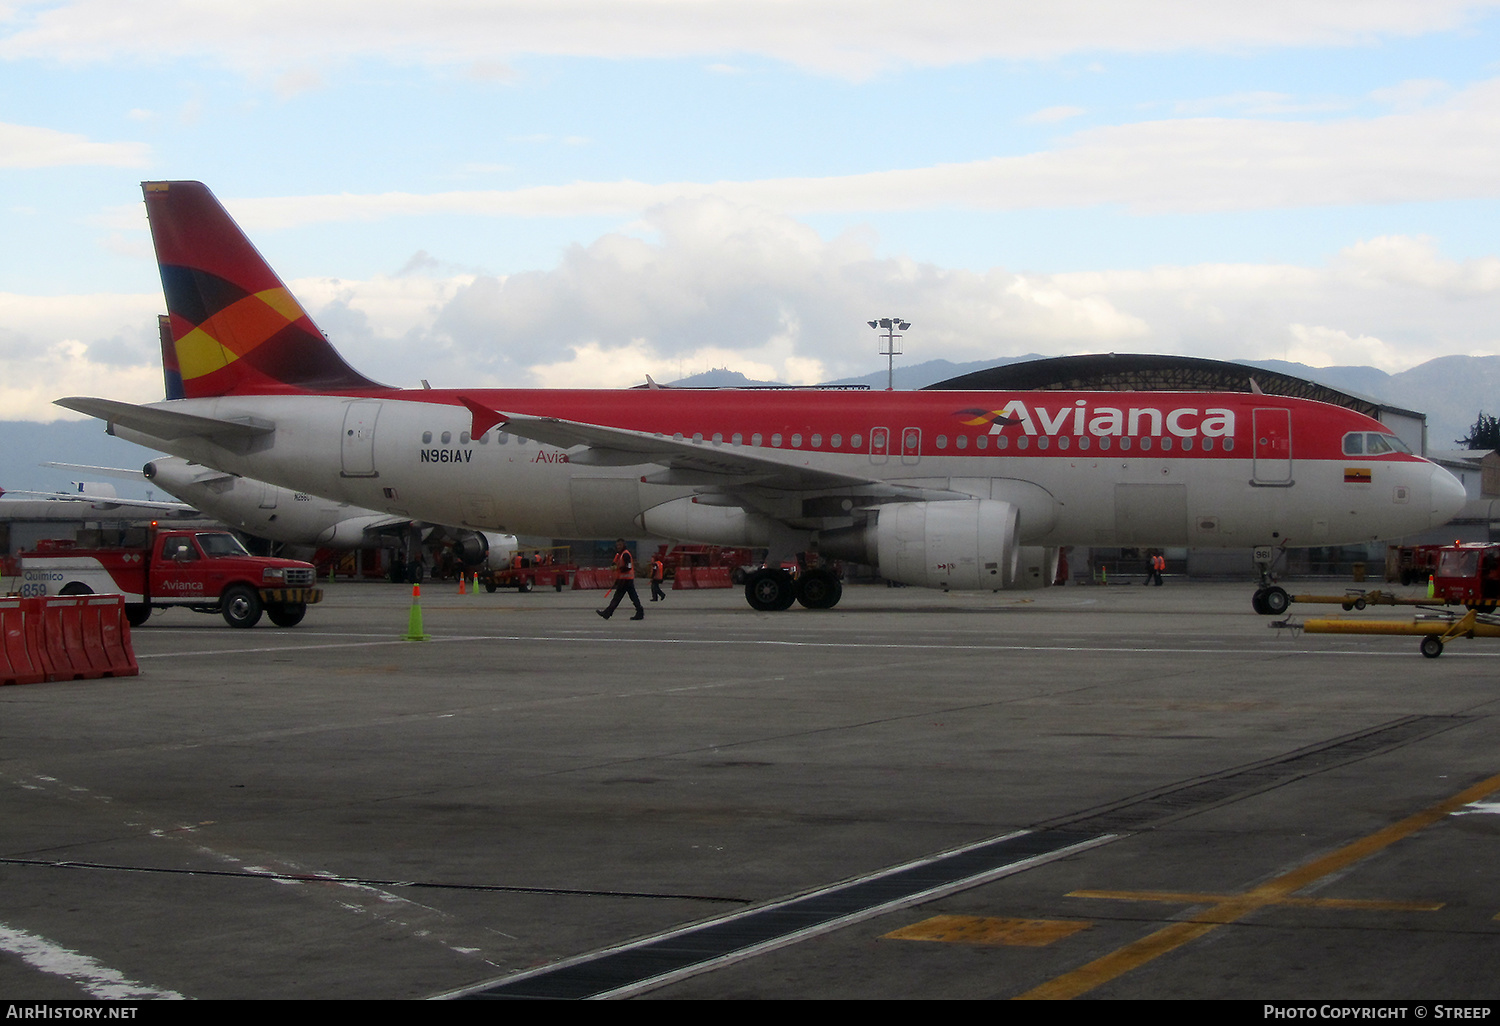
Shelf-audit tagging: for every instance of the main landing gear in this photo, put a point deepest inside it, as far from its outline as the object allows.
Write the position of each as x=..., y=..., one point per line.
x=771, y=589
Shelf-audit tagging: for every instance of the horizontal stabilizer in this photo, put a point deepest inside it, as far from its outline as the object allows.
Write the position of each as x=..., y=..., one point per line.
x=170, y=425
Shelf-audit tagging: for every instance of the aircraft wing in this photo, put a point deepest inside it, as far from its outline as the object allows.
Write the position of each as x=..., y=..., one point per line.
x=729, y=475
x=686, y=462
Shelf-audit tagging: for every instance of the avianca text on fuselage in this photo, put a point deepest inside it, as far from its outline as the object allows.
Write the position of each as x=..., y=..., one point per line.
x=1084, y=421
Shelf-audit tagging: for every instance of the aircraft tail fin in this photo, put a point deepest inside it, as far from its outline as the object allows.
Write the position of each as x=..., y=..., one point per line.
x=234, y=327
x=171, y=373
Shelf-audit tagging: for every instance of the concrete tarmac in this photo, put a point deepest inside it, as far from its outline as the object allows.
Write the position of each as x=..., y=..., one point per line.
x=329, y=811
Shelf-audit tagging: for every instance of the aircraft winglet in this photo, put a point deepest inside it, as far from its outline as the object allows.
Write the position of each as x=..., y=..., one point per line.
x=484, y=417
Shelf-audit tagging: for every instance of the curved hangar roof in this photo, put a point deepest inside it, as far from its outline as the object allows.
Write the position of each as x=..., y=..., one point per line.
x=1133, y=372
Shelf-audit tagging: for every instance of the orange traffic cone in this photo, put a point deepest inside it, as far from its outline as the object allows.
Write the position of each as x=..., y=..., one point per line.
x=461, y=583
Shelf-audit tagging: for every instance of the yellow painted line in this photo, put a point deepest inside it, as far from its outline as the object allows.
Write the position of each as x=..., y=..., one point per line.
x=1235, y=907
x=1023, y=933
x=1189, y=898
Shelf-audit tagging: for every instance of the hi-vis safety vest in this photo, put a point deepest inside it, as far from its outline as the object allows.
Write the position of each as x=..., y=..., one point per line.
x=624, y=566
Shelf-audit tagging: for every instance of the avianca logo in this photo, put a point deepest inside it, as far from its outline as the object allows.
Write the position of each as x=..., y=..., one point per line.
x=1104, y=421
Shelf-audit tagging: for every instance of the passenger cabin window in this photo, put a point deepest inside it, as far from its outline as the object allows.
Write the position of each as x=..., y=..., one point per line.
x=447, y=437
x=426, y=437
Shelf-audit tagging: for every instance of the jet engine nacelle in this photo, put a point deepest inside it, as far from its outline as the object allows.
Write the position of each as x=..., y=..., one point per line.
x=964, y=544
x=1036, y=567
x=478, y=550
x=968, y=544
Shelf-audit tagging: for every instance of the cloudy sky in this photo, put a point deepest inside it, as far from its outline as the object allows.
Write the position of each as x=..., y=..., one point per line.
x=582, y=192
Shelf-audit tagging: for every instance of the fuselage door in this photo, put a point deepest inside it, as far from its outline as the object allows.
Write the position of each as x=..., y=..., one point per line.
x=911, y=445
x=1273, y=448
x=358, y=443
x=880, y=445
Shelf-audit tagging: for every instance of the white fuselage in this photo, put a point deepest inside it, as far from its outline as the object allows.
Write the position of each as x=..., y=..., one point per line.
x=414, y=459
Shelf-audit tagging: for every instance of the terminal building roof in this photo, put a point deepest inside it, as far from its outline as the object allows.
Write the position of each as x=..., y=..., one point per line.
x=1139, y=372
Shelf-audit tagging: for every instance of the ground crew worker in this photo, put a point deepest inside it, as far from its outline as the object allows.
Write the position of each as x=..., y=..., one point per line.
x=624, y=583
x=1158, y=564
x=658, y=574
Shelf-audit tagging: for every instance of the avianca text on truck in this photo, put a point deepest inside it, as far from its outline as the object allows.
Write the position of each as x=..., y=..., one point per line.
x=206, y=571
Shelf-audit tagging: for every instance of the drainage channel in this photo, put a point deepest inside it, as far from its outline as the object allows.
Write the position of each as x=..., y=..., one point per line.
x=653, y=961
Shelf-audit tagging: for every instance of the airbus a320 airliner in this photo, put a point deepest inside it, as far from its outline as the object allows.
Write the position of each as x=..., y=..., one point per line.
x=963, y=490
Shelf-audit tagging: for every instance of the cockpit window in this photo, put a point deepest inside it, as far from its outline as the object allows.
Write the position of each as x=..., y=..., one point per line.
x=1372, y=443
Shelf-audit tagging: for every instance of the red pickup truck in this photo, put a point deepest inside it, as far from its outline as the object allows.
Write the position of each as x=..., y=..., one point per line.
x=206, y=571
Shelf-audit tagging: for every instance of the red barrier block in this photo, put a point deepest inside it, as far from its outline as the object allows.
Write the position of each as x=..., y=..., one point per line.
x=82, y=638
x=17, y=663
x=48, y=641
x=114, y=648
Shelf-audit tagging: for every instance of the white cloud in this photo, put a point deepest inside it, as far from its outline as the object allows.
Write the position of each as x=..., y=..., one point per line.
x=51, y=346
x=32, y=146
x=1445, y=152
x=847, y=38
x=718, y=284
x=1051, y=115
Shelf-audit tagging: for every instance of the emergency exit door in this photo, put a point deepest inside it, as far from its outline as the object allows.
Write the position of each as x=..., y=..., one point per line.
x=358, y=444
x=1272, y=465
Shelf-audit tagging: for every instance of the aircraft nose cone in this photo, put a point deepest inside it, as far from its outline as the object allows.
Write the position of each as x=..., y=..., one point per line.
x=1448, y=497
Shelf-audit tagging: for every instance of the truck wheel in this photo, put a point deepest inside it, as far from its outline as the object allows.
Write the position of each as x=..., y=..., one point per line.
x=287, y=614
x=240, y=606
x=137, y=613
x=526, y=585
x=76, y=588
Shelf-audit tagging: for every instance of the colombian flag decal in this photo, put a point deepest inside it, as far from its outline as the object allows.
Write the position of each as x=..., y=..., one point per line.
x=1356, y=475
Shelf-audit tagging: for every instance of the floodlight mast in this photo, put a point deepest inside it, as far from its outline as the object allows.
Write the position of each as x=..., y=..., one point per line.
x=892, y=326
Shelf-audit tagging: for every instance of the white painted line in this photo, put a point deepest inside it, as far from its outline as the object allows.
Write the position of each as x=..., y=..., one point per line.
x=98, y=981
x=1270, y=647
